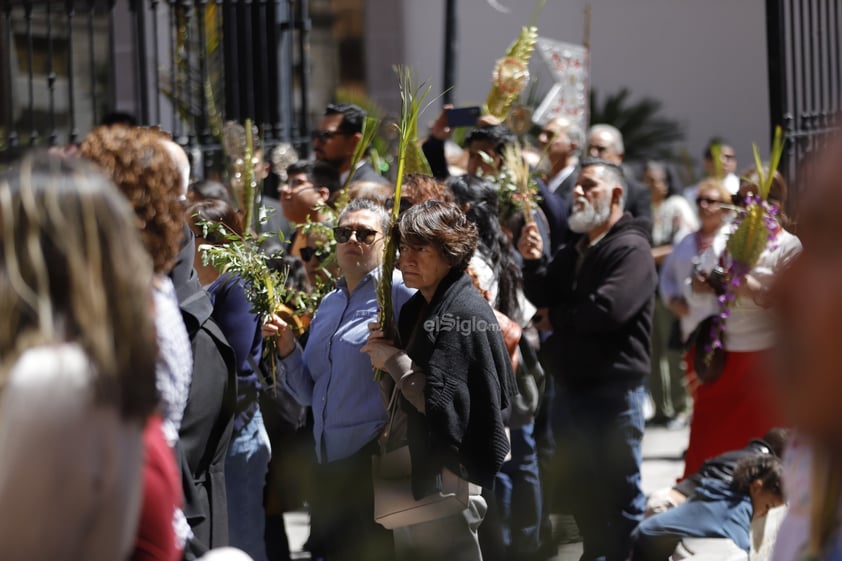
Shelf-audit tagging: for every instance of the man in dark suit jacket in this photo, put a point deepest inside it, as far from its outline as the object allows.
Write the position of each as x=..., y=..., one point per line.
x=561, y=141
x=336, y=138
x=606, y=142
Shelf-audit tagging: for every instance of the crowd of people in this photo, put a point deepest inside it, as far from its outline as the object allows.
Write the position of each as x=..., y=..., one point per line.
x=138, y=419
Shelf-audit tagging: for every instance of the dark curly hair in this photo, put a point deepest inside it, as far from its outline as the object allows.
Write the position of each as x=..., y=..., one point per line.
x=767, y=468
x=136, y=160
x=442, y=225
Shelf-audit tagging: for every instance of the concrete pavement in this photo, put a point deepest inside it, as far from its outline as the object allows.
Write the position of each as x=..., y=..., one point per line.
x=662, y=464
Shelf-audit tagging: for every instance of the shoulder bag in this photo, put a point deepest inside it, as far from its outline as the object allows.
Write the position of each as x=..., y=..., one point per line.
x=394, y=504
x=707, y=368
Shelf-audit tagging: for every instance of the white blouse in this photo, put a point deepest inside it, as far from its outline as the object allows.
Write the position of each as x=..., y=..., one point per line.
x=749, y=327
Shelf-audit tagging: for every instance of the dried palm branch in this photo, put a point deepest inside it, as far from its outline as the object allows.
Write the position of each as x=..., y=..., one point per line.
x=511, y=73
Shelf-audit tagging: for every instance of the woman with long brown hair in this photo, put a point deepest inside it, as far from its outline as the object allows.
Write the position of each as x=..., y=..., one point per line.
x=77, y=379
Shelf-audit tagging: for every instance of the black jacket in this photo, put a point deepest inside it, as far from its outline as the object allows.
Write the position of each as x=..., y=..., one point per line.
x=455, y=341
x=209, y=417
x=602, y=316
x=722, y=467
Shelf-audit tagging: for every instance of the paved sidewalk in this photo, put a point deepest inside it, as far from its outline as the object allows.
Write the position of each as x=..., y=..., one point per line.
x=662, y=464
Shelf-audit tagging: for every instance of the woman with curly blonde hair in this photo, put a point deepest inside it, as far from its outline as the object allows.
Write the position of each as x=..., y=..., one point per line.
x=77, y=378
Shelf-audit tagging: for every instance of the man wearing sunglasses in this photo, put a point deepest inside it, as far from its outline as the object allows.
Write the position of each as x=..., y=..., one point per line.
x=336, y=138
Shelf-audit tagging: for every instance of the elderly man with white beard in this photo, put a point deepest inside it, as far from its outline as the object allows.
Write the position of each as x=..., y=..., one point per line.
x=599, y=290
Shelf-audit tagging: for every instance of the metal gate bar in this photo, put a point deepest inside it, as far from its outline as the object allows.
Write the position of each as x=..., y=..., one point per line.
x=57, y=84
x=805, y=78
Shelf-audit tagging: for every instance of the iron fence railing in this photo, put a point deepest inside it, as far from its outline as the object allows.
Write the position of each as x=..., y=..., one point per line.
x=184, y=65
x=805, y=77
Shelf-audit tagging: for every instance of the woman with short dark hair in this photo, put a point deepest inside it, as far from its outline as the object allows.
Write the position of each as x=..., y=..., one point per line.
x=453, y=375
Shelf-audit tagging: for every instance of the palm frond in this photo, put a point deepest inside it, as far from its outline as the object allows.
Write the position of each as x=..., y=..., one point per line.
x=646, y=133
x=412, y=104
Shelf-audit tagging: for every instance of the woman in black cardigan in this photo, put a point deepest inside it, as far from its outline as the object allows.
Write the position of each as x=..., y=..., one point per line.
x=453, y=374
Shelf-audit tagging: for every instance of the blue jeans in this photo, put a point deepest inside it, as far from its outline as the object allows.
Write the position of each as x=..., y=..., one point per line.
x=245, y=476
x=598, y=433
x=717, y=511
x=518, y=492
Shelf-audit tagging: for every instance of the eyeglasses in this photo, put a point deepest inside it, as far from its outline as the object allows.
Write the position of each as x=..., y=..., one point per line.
x=319, y=253
x=704, y=201
x=405, y=203
x=363, y=235
x=324, y=136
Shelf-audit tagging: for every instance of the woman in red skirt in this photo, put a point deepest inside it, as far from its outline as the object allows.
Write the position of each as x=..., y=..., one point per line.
x=737, y=406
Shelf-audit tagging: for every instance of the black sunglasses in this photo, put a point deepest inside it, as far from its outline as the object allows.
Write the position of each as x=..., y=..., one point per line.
x=319, y=253
x=363, y=235
x=708, y=202
x=324, y=136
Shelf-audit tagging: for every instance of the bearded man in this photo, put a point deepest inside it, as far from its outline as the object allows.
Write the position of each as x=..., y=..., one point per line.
x=599, y=290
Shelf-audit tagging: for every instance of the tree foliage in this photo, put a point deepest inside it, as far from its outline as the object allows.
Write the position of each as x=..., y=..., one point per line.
x=646, y=133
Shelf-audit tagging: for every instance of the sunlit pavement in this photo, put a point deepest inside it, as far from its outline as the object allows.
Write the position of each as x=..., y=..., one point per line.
x=662, y=464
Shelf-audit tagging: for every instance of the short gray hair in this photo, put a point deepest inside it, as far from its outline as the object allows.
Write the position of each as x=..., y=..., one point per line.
x=572, y=130
x=616, y=136
x=371, y=206
x=611, y=173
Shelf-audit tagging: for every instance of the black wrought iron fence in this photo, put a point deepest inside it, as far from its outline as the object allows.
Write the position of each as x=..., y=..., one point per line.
x=185, y=65
x=805, y=76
